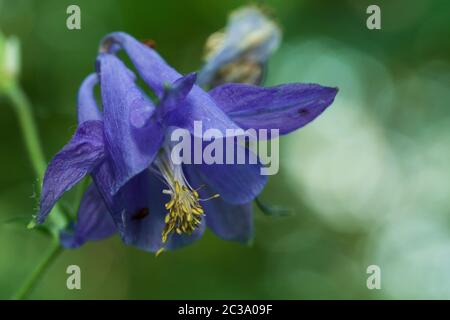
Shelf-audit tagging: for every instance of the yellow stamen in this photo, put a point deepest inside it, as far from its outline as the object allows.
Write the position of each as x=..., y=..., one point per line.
x=159, y=252
x=185, y=211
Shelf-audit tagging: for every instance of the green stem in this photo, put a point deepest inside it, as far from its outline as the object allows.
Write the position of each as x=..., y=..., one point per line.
x=28, y=127
x=29, y=131
x=37, y=273
x=57, y=219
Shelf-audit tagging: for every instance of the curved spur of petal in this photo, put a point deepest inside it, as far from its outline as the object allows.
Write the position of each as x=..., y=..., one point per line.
x=237, y=182
x=87, y=105
x=286, y=107
x=138, y=211
x=94, y=221
x=79, y=157
x=152, y=68
x=132, y=135
x=228, y=221
x=197, y=106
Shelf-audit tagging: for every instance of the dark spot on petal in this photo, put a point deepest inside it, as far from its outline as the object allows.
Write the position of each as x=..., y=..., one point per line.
x=140, y=214
x=303, y=112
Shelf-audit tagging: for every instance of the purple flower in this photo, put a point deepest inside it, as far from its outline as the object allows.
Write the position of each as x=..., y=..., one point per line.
x=138, y=190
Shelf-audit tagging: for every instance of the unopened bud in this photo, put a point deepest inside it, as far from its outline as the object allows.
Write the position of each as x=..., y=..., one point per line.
x=9, y=59
x=240, y=52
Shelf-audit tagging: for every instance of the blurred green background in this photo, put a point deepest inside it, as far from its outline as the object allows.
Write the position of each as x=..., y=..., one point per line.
x=369, y=180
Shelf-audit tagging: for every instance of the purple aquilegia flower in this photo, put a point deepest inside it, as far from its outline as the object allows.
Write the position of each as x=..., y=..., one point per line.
x=138, y=190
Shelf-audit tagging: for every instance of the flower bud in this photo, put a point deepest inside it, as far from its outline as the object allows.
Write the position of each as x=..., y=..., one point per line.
x=9, y=59
x=240, y=52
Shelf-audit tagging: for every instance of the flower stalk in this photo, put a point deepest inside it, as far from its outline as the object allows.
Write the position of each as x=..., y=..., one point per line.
x=53, y=252
x=28, y=128
x=22, y=107
x=9, y=88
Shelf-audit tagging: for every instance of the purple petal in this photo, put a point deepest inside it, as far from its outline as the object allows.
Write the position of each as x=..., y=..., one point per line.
x=285, y=107
x=197, y=106
x=176, y=93
x=138, y=211
x=81, y=155
x=140, y=215
x=236, y=183
x=94, y=221
x=228, y=221
x=132, y=137
x=87, y=105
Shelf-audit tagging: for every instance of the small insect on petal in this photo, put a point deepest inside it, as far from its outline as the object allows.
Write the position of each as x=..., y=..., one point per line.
x=149, y=43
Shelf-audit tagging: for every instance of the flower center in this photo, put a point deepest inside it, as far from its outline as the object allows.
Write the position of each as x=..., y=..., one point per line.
x=185, y=212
